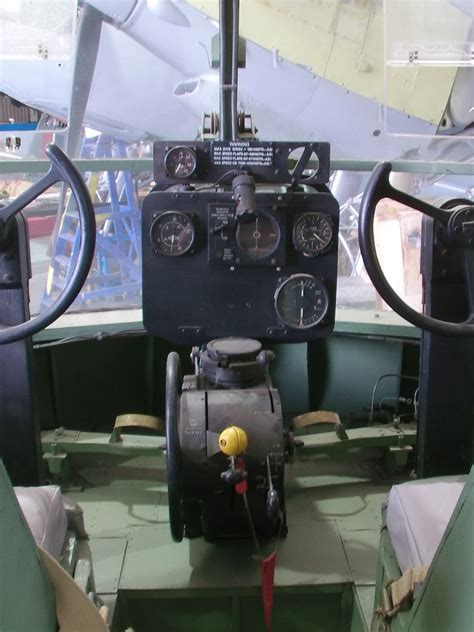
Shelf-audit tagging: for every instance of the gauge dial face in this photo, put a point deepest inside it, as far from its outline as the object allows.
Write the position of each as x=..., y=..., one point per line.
x=180, y=162
x=312, y=233
x=258, y=237
x=172, y=233
x=301, y=301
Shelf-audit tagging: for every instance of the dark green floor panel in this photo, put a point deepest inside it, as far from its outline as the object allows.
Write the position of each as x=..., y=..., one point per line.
x=330, y=551
x=361, y=548
x=108, y=555
x=312, y=554
x=316, y=611
x=145, y=614
x=327, y=609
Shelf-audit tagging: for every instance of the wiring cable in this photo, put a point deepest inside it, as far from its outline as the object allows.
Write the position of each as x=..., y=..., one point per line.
x=232, y=172
x=98, y=337
x=377, y=383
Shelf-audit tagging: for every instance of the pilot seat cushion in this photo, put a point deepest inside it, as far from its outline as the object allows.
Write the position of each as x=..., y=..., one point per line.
x=418, y=513
x=45, y=514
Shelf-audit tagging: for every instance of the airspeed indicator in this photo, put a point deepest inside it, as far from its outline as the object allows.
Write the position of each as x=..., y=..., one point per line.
x=301, y=301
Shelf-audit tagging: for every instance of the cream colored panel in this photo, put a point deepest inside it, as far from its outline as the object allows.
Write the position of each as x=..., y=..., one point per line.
x=302, y=30
x=343, y=41
x=416, y=90
x=356, y=60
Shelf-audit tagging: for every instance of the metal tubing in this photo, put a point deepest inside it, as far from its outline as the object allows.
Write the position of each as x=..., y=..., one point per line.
x=235, y=68
x=228, y=68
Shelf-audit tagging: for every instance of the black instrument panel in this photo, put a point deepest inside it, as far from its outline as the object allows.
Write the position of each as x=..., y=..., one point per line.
x=270, y=162
x=259, y=240
x=210, y=271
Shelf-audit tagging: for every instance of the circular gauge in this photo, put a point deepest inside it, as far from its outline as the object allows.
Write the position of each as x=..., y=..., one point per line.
x=301, y=301
x=172, y=233
x=180, y=162
x=312, y=233
x=258, y=236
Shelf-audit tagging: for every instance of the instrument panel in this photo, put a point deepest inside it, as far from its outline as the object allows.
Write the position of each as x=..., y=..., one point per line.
x=180, y=162
x=267, y=161
x=172, y=233
x=210, y=271
x=301, y=301
x=312, y=233
x=258, y=240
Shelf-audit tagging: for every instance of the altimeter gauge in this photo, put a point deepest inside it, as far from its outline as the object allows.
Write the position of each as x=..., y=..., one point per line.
x=312, y=233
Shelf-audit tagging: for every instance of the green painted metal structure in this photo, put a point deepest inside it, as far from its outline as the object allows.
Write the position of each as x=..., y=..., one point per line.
x=60, y=445
x=86, y=384
x=136, y=165
x=323, y=566
x=326, y=571
x=26, y=596
x=444, y=601
x=325, y=578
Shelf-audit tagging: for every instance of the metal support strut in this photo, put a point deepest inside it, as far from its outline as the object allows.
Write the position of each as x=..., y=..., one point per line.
x=228, y=75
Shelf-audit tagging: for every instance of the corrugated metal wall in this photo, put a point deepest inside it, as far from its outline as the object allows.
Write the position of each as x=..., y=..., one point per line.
x=10, y=109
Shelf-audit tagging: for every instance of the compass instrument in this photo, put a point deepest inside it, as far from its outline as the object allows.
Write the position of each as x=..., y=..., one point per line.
x=258, y=237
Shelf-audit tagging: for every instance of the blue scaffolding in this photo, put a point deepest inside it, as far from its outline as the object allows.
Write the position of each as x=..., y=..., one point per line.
x=115, y=278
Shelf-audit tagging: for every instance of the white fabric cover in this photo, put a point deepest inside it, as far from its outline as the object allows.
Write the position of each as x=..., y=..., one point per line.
x=45, y=514
x=417, y=516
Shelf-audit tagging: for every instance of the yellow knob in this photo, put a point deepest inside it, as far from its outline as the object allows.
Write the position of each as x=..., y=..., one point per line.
x=233, y=441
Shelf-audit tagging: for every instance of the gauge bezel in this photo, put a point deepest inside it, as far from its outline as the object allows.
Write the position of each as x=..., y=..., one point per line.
x=284, y=284
x=296, y=243
x=170, y=153
x=157, y=247
x=245, y=253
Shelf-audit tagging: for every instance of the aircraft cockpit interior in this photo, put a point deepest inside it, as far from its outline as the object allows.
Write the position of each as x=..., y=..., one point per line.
x=236, y=315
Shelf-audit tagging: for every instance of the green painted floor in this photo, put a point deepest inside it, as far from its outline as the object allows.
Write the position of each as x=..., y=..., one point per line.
x=333, y=510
